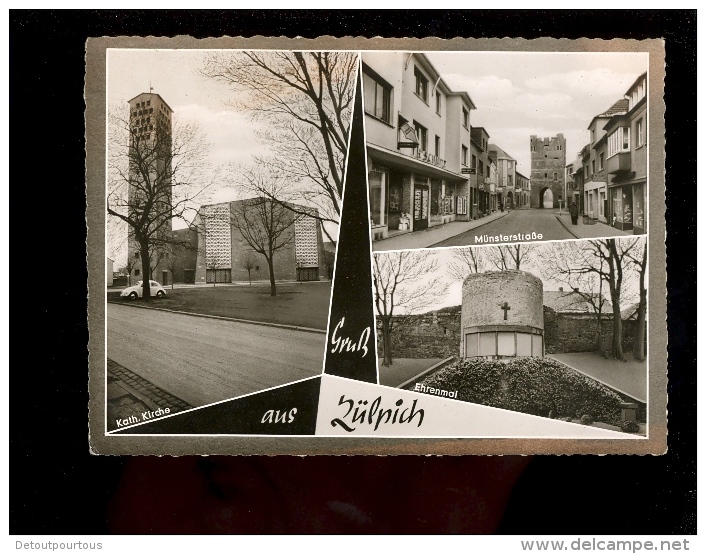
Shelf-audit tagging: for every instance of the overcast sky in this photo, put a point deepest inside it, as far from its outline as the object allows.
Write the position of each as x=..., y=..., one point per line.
x=518, y=94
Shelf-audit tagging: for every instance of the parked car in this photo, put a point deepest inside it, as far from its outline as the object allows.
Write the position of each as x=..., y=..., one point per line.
x=135, y=291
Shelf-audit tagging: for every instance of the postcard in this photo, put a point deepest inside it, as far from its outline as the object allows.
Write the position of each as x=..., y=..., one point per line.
x=376, y=246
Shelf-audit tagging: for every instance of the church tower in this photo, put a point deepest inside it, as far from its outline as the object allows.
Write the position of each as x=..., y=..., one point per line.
x=150, y=153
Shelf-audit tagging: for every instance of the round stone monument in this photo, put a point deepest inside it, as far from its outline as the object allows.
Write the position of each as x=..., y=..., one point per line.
x=502, y=315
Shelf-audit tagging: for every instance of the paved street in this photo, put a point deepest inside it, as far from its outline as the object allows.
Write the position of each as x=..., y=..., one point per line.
x=518, y=221
x=202, y=360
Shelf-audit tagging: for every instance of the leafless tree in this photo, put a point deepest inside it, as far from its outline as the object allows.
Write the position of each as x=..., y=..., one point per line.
x=155, y=176
x=562, y=262
x=466, y=261
x=404, y=283
x=265, y=225
x=306, y=100
x=608, y=259
x=510, y=256
x=129, y=266
x=638, y=257
x=249, y=263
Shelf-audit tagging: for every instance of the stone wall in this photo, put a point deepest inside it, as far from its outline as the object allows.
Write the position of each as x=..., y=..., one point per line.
x=547, y=161
x=438, y=334
x=430, y=335
x=577, y=332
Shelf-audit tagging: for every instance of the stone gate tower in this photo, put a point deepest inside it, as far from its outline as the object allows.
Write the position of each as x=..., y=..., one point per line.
x=502, y=315
x=548, y=163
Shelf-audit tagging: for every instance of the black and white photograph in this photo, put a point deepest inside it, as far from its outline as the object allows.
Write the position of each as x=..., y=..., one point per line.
x=223, y=191
x=555, y=329
x=472, y=148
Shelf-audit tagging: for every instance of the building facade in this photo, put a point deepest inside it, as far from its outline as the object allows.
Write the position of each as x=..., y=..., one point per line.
x=626, y=161
x=418, y=145
x=522, y=191
x=224, y=253
x=484, y=194
x=150, y=131
x=548, y=156
x=506, y=169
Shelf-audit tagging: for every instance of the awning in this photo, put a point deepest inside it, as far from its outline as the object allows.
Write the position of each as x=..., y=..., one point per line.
x=406, y=163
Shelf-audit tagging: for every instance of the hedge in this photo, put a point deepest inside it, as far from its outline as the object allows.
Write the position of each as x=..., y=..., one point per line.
x=535, y=386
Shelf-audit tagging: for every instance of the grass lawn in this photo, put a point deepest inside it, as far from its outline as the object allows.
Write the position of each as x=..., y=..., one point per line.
x=302, y=304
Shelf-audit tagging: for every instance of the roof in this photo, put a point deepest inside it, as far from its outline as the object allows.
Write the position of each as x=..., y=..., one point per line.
x=571, y=302
x=501, y=154
x=637, y=81
x=618, y=107
x=152, y=94
x=630, y=312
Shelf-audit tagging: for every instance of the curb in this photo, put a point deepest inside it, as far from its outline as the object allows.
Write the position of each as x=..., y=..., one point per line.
x=424, y=373
x=504, y=214
x=565, y=227
x=224, y=318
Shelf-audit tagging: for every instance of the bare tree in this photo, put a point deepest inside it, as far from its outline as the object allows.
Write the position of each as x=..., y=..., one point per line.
x=130, y=264
x=466, y=261
x=155, y=175
x=562, y=262
x=265, y=225
x=249, y=262
x=404, y=283
x=306, y=100
x=638, y=257
x=509, y=256
x=608, y=259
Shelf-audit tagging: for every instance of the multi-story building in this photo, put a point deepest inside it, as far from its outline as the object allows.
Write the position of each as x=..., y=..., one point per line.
x=522, y=191
x=626, y=163
x=225, y=255
x=484, y=187
x=418, y=145
x=595, y=178
x=547, y=174
x=150, y=150
x=574, y=181
x=506, y=165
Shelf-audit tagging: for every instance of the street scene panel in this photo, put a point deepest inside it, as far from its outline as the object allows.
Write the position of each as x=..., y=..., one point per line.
x=224, y=182
x=491, y=147
x=554, y=329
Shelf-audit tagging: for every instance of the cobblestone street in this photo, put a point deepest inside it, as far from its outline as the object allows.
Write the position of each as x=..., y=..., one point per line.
x=128, y=394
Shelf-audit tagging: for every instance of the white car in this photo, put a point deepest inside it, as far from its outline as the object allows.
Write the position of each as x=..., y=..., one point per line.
x=135, y=291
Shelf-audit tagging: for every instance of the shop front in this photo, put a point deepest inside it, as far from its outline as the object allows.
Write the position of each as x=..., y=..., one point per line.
x=408, y=194
x=621, y=208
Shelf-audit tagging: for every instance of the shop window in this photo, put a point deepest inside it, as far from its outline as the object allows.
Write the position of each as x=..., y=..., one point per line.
x=378, y=181
x=378, y=95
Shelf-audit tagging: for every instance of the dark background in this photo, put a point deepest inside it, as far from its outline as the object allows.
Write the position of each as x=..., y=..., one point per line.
x=50, y=464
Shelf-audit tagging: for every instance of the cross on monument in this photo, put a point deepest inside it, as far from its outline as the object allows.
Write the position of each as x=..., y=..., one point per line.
x=505, y=307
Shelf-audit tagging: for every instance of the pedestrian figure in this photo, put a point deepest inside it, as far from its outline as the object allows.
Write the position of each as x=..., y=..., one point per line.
x=502, y=206
x=574, y=211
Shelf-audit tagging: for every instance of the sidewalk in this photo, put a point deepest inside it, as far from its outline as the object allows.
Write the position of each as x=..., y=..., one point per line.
x=582, y=231
x=627, y=377
x=433, y=235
